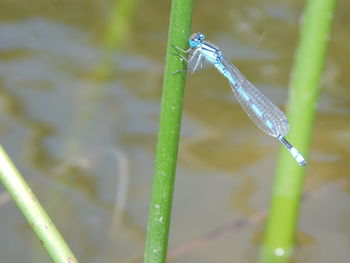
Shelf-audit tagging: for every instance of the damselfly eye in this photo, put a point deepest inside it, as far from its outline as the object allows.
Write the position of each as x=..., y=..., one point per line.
x=196, y=39
x=200, y=37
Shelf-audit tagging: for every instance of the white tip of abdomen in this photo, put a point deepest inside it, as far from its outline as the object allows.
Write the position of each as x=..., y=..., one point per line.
x=297, y=156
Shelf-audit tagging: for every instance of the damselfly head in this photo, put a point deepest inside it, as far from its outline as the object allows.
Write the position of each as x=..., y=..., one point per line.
x=196, y=39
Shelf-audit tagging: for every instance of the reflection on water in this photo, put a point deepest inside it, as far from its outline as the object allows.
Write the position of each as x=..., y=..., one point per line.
x=66, y=106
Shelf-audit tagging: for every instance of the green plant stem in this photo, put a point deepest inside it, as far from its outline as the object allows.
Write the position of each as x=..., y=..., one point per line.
x=118, y=27
x=304, y=89
x=168, y=134
x=33, y=212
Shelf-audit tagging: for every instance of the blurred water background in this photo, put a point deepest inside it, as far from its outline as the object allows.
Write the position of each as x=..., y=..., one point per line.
x=79, y=119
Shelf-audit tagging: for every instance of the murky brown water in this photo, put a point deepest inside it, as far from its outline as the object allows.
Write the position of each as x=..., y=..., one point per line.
x=82, y=129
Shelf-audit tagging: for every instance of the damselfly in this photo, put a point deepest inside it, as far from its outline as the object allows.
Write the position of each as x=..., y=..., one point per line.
x=259, y=108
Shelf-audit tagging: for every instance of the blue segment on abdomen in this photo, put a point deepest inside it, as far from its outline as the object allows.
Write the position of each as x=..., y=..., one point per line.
x=257, y=111
x=269, y=124
x=243, y=94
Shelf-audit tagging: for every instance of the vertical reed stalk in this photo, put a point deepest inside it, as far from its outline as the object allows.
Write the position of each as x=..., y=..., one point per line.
x=168, y=134
x=304, y=89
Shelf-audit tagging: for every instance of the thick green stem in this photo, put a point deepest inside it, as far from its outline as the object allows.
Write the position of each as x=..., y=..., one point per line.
x=168, y=135
x=304, y=89
x=33, y=212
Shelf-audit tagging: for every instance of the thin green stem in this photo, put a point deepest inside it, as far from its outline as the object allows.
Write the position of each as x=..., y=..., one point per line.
x=168, y=135
x=119, y=22
x=304, y=89
x=33, y=212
